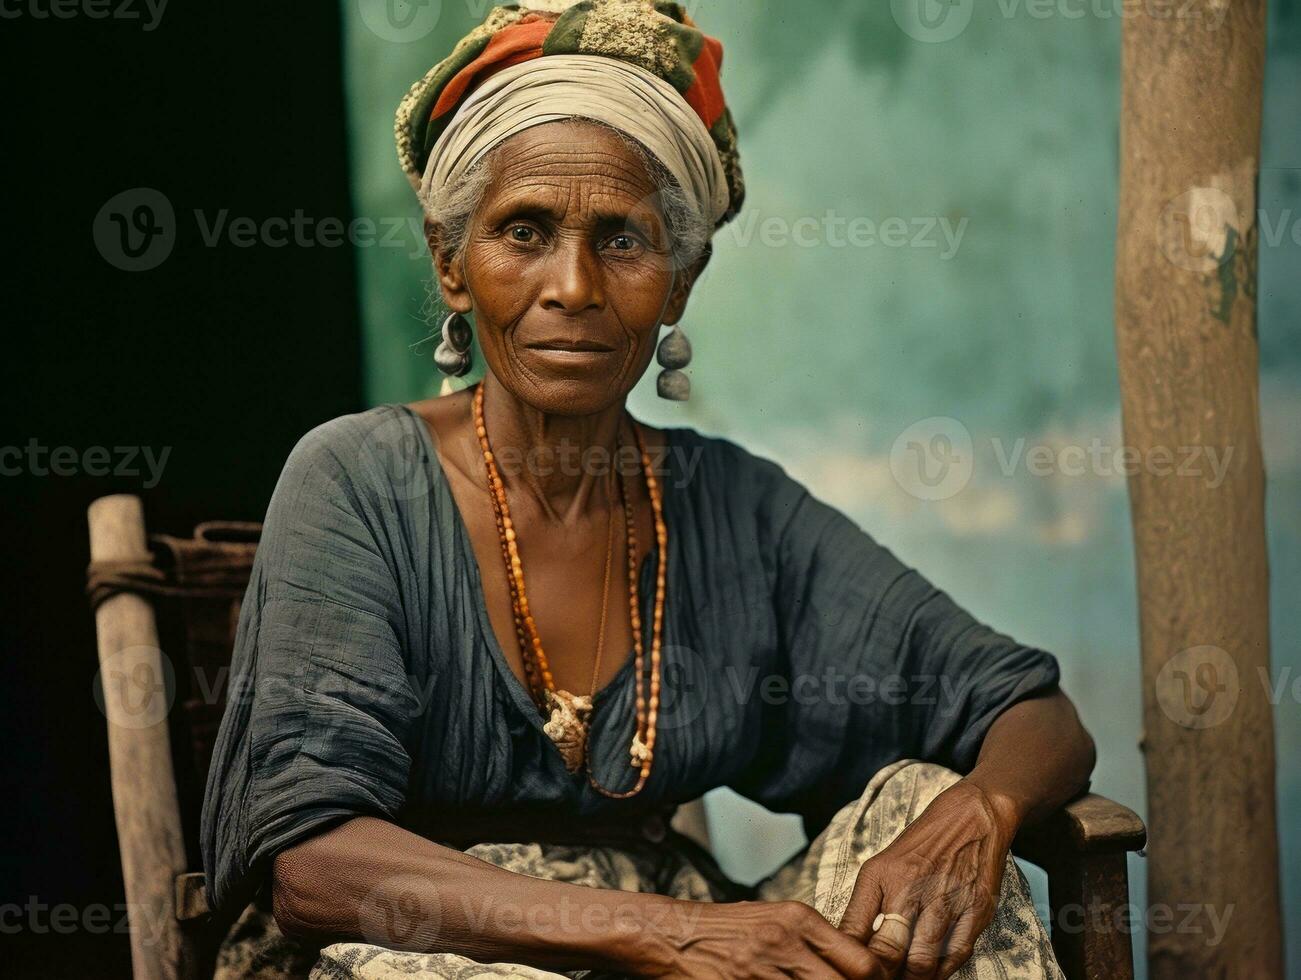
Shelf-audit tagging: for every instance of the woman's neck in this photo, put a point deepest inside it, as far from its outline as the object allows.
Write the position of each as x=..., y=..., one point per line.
x=563, y=462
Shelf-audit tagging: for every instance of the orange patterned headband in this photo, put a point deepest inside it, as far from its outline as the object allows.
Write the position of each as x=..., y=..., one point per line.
x=655, y=35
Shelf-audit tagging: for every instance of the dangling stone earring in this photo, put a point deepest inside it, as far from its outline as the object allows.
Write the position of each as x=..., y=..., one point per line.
x=674, y=353
x=453, y=355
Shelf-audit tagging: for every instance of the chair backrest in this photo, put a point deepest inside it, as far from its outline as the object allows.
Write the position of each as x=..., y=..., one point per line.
x=166, y=613
x=206, y=576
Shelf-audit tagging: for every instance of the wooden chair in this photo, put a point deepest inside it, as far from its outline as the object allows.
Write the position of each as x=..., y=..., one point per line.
x=184, y=595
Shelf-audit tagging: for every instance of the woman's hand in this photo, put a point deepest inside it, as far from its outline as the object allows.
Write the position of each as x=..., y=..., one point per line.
x=943, y=875
x=755, y=939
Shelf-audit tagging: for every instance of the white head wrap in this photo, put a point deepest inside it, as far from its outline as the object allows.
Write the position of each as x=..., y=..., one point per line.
x=618, y=93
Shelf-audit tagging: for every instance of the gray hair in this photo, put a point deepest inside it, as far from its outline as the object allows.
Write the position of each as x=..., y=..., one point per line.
x=452, y=208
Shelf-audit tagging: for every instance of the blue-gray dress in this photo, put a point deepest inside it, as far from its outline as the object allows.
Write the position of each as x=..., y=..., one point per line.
x=799, y=657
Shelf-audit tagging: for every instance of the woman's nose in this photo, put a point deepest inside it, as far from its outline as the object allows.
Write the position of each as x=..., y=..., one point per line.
x=573, y=279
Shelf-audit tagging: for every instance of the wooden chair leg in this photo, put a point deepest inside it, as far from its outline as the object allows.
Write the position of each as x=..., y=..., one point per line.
x=1091, y=928
x=1083, y=848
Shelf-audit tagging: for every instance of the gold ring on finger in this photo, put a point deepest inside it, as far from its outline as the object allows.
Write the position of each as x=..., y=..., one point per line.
x=884, y=917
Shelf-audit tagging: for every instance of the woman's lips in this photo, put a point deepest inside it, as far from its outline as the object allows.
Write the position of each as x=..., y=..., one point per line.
x=571, y=354
x=571, y=346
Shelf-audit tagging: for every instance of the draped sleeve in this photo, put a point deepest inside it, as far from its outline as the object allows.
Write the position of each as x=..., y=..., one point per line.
x=320, y=702
x=873, y=662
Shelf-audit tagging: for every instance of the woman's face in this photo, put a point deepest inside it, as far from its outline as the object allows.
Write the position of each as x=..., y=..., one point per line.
x=568, y=269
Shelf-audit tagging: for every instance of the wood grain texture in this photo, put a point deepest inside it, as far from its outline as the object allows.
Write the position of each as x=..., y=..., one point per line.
x=1186, y=342
x=1090, y=824
x=1082, y=847
x=1091, y=927
x=191, y=896
x=133, y=674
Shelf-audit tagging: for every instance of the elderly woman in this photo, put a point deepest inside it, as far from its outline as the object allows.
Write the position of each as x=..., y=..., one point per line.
x=492, y=640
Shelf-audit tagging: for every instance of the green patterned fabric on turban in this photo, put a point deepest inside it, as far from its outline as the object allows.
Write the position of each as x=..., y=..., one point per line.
x=655, y=35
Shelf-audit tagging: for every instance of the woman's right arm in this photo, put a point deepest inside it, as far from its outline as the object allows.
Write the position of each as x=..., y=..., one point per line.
x=369, y=880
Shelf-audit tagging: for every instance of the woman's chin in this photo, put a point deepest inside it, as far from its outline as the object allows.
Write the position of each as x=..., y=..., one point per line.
x=571, y=382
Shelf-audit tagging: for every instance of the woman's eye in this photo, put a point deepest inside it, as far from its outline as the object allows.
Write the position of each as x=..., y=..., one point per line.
x=623, y=243
x=522, y=233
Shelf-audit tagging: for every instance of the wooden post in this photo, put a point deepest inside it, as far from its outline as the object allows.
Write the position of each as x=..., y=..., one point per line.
x=1186, y=341
x=136, y=685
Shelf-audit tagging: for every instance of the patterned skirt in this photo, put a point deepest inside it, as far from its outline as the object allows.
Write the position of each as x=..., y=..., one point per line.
x=1013, y=947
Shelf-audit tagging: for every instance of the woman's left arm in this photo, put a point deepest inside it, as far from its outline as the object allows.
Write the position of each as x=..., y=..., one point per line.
x=934, y=684
x=944, y=872
x=1026, y=786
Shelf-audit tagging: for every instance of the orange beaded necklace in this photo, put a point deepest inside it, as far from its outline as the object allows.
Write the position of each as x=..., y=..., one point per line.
x=569, y=723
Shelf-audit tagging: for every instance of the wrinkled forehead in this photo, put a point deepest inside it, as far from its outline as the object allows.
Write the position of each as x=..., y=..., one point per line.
x=576, y=150
x=568, y=167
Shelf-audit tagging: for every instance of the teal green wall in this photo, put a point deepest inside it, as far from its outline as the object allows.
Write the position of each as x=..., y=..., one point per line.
x=821, y=355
